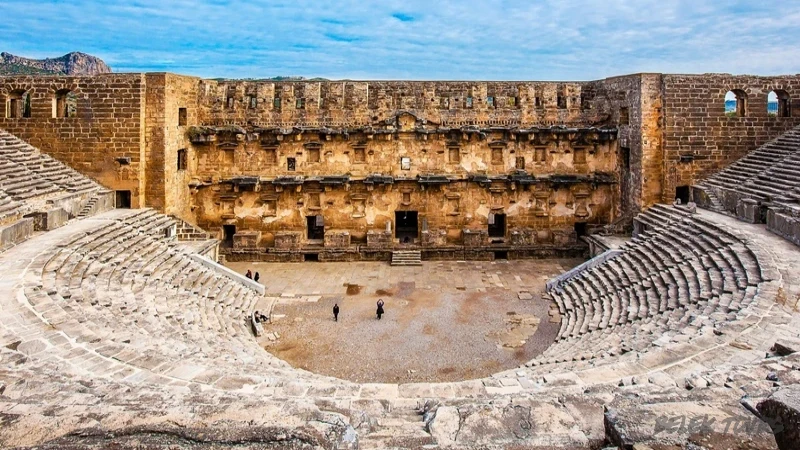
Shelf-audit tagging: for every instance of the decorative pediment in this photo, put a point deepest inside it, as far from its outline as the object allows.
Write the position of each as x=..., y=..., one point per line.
x=406, y=121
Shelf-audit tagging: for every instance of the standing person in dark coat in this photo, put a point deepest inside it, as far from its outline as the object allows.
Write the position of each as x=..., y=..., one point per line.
x=257, y=277
x=379, y=312
x=336, y=312
x=249, y=274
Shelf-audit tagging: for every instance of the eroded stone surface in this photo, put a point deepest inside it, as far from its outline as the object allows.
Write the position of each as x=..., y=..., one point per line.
x=782, y=412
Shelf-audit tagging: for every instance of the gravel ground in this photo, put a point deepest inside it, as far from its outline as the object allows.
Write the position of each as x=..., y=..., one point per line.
x=429, y=333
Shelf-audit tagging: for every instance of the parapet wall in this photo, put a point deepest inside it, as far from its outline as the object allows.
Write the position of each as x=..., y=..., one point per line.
x=358, y=103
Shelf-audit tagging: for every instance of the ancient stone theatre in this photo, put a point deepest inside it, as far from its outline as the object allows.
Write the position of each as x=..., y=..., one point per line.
x=128, y=202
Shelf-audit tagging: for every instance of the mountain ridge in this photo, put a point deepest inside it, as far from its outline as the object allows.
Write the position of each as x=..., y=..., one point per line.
x=73, y=63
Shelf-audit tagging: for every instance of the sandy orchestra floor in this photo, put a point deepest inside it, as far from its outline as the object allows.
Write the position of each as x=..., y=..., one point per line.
x=444, y=321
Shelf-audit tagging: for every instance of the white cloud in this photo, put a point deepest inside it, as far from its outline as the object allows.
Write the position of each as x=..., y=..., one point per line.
x=450, y=39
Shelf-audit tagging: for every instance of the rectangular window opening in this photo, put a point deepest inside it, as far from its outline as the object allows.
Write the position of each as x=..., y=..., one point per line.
x=540, y=154
x=624, y=116
x=625, y=156
x=586, y=104
x=561, y=100
x=181, y=117
x=182, y=159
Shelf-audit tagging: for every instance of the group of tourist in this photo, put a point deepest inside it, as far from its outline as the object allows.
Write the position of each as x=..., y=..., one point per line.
x=250, y=275
x=260, y=317
x=378, y=313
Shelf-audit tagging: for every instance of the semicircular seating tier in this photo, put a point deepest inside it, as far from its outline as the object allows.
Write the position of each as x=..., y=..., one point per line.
x=770, y=173
x=28, y=176
x=681, y=278
x=135, y=302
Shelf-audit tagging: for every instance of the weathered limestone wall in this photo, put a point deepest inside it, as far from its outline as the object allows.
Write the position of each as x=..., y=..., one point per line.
x=700, y=139
x=652, y=139
x=633, y=104
x=450, y=152
x=263, y=155
x=104, y=140
x=253, y=133
x=155, y=141
x=548, y=210
x=167, y=184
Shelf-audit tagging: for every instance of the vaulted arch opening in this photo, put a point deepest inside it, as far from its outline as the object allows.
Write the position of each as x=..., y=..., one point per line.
x=736, y=103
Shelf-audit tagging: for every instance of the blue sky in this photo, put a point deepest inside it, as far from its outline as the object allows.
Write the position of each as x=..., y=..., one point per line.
x=416, y=40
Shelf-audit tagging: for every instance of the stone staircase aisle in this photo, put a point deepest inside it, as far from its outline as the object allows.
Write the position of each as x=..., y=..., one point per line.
x=714, y=202
x=406, y=258
x=100, y=202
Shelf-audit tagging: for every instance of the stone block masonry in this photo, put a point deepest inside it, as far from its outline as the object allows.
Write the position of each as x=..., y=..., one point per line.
x=544, y=159
x=700, y=138
x=102, y=139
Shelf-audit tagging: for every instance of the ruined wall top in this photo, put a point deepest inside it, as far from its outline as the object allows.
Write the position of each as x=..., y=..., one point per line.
x=359, y=103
